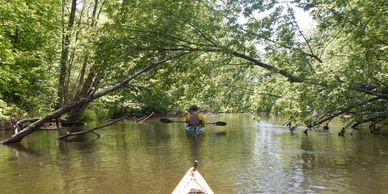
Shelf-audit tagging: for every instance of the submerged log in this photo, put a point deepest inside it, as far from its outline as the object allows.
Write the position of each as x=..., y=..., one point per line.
x=62, y=137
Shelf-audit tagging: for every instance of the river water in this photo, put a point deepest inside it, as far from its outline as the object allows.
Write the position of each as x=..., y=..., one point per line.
x=254, y=156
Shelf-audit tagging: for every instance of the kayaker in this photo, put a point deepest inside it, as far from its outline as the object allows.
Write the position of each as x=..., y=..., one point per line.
x=194, y=117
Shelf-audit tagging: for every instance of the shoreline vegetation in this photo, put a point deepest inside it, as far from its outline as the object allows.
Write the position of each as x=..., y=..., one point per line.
x=138, y=117
x=69, y=62
x=6, y=125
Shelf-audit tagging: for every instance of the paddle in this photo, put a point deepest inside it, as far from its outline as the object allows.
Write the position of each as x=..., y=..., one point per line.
x=169, y=121
x=218, y=123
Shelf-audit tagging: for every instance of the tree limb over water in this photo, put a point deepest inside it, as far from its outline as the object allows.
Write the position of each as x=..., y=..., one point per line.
x=87, y=99
x=63, y=137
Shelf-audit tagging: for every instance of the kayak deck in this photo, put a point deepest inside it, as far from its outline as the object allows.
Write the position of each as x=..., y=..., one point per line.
x=192, y=182
x=194, y=130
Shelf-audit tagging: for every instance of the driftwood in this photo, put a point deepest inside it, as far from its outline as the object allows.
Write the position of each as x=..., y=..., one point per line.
x=17, y=125
x=145, y=117
x=22, y=122
x=62, y=137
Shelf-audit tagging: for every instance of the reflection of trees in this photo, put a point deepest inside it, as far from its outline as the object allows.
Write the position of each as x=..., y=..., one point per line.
x=74, y=153
x=308, y=161
x=307, y=149
x=22, y=151
x=339, y=164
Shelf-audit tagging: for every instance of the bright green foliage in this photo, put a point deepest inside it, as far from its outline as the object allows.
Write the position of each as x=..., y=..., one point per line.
x=202, y=78
x=240, y=55
x=333, y=69
x=27, y=53
x=7, y=112
x=341, y=66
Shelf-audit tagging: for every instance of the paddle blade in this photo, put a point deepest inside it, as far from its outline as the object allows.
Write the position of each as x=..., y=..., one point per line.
x=219, y=123
x=166, y=121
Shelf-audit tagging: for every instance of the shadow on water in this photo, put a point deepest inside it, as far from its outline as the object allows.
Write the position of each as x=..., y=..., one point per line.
x=195, y=142
x=83, y=143
x=81, y=139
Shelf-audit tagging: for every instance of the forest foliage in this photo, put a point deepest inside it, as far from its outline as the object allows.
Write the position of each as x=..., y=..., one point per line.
x=233, y=55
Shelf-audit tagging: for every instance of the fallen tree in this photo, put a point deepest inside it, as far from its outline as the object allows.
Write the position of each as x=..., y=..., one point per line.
x=17, y=137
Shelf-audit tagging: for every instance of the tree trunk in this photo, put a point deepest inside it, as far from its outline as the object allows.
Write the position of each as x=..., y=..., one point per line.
x=66, y=35
x=70, y=92
x=88, y=89
x=93, y=79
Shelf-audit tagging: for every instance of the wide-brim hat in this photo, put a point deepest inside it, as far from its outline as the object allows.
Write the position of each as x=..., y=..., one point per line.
x=194, y=108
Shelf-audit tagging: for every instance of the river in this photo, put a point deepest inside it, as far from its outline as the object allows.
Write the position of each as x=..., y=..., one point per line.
x=254, y=156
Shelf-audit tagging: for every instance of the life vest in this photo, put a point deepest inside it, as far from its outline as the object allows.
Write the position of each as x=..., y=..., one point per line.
x=194, y=120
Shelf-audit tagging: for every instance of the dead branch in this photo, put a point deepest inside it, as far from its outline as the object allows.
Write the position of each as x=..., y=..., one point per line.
x=145, y=117
x=62, y=137
x=20, y=123
x=330, y=117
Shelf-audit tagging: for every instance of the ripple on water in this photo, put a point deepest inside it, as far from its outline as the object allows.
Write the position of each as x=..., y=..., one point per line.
x=253, y=157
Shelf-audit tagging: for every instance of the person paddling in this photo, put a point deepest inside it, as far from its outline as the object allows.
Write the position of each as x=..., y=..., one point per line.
x=194, y=118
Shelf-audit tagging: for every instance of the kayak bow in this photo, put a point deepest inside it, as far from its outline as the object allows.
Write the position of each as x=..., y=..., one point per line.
x=193, y=182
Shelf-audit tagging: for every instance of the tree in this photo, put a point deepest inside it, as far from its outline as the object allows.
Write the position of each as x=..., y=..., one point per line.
x=117, y=68
x=17, y=137
x=340, y=69
x=329, y=72
x=253, y=53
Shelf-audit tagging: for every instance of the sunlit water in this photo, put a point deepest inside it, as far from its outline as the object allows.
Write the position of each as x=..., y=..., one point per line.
x=255, y=156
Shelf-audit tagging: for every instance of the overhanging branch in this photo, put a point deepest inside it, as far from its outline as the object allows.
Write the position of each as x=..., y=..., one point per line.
x=57, y=113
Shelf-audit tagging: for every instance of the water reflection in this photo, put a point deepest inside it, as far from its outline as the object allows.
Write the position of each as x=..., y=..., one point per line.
x=21, y=151
x=151, y=157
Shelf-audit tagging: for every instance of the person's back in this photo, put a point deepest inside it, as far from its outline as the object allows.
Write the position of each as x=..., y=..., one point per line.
x=194, y=117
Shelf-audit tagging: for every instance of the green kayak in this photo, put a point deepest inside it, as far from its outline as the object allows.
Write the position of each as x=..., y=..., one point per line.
x=194, y=130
